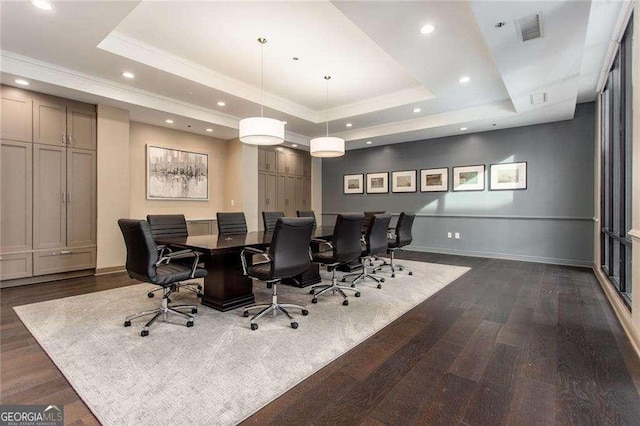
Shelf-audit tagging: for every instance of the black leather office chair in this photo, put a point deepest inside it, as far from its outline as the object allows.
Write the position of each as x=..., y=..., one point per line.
x=375, y=243
x=287, y=256
x=402, y=237
x=231, y=223
x=145, y=264
x=344, y=247
x=308, y=213
x=165, y=226
x=269, y=220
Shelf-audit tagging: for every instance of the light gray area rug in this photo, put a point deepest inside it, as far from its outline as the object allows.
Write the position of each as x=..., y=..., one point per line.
x=219, y=371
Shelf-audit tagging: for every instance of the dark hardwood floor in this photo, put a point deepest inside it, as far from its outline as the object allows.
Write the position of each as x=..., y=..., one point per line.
x=507, y=343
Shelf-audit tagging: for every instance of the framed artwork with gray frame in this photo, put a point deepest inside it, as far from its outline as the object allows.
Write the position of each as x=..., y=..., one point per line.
x=508, y=176
x=403, y=181
x=468, y=178
x=434, y=180
x=378, y=183
x=173, y=174
x=354, y=184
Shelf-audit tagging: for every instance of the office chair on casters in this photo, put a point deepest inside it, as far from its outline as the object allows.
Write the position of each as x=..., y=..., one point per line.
x=307, y=213
x=344, y=247
x=165, y=226
x=145, y=264
x=231, y=223
x=287, y=256
x=401, y=238
x=376, y=243
x=269, y=220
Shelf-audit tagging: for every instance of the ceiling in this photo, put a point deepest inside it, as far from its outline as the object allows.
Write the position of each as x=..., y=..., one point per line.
x=389, y=82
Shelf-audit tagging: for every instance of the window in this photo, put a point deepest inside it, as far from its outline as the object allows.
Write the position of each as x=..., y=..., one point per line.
x=616, y=170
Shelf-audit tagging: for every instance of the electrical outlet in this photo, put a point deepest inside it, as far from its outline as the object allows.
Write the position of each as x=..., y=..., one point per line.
x=233, y=203
x=457, y=235
x=448, y=234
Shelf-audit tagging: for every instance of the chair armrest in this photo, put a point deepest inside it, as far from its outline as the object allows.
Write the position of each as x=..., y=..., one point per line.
x=319, y=245
x=247, y=253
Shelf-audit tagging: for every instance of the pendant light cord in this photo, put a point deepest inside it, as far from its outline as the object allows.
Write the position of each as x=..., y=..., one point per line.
x=327, y=77
x=262, y=76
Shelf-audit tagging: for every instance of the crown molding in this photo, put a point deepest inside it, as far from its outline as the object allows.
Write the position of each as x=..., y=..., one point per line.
x=13, y=63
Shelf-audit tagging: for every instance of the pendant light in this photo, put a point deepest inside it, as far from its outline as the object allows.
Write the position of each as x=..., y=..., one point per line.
x=261, y=130
x=326, y=146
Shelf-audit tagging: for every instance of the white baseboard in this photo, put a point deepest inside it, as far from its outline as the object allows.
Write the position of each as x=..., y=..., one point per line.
x=506, y=256
x=620, y=309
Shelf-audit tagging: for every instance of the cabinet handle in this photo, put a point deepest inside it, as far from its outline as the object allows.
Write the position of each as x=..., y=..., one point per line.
x=70, y=138
x=64, y=197
x=66, y=252
x=69, y=197
x=64, y=138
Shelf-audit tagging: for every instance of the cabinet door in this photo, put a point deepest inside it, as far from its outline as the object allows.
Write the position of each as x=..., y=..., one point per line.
x=281, y=192
x=299, y=201
x=291, y=163
x=81, y=197
x=14, y=266
x=290, y=196
x=281, y=162
x=16, y=179
x=49, y=196
x=49, y=123
x=81, y=128
x=306, y=166
x=306, y=200
x=16, y=123
x=270, y=160
x=262, y=159
x=199, y=227
x=262, y=195
x=271, y=192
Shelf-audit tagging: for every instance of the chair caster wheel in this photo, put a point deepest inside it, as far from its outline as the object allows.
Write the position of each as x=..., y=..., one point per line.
x=410, y=273
x=294, y=325
x=312, y=291
x=144, y=333
x=189, y=323
x=254, y=326
x=357, y=294
x=150, y=295
x=314, y=300
x=382, y=280
x=373, y=272
x=199, y=287
x=400, y=269
x=393, y=275
x=305, y=312
x=245, y=314
x=353, y=285
x=127, y=323
x=168, y=300
x=344, y=280
x=199, y=295
x=345, y=302
x=379, y=286
x=194, y=311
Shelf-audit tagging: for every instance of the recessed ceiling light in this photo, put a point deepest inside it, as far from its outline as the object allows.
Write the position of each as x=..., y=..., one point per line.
x=295, y=58
x=21, y=82
x=348, y=124
x=168, y=121
x=427, y=29
x=221, y=103
x=295, y=145
x=284, y=122
x=463, y=129
x=128, y=74
x=417, y=110
x=209, y=130
x=464, y=79
x=369, y=142
x=42, y=4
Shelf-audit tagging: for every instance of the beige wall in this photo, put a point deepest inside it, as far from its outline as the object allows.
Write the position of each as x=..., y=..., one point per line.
x=113, y=185
x=241, y=188
x=143, y=134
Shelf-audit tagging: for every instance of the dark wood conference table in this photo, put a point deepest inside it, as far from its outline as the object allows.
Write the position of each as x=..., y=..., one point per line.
x=225, y=287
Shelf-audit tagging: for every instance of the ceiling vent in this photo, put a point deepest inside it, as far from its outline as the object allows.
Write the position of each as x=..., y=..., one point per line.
x=529, y=27
x=539, y=98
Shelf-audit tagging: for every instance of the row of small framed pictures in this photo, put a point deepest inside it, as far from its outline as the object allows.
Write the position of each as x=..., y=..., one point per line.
x=504, y=176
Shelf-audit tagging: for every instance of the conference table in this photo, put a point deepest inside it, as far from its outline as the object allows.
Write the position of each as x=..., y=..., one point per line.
x=225, y=286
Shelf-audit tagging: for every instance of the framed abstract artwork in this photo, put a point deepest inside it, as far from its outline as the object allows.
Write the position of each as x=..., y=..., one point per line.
x=173, y=174
x=354, y=184
x=508, y=176
x=403, y=181
x=468, y=178
x=377, y=183
x=434, y=180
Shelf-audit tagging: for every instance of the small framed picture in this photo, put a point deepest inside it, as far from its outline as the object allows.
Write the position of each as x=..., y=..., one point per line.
x=434, y=180
x=377, y=183
x=353, y=184
x=403, y=181
x=468, y=178
x=508, y=176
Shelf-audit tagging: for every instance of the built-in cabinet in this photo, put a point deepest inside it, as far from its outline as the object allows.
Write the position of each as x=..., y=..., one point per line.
x=284, y=180
x=48, y=186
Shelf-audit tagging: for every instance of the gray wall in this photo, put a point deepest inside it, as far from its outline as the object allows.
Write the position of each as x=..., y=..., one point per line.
x=551, y=221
